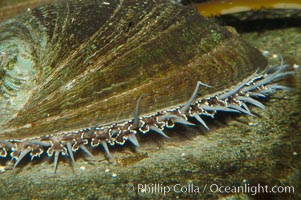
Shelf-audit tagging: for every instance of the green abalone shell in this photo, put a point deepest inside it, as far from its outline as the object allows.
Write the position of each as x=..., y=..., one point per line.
x=79, y=64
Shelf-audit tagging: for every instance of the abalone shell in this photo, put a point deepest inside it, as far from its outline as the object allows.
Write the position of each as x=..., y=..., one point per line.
x=73, y=64
x=247, y=151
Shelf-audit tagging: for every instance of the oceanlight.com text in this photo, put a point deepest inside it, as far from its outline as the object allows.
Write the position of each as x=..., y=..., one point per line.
x=157, y=188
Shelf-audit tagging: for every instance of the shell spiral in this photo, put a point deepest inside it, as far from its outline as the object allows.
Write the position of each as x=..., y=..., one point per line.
x=72, y=65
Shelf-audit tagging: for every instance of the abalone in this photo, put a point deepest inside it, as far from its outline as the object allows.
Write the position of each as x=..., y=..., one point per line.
x=73, y=74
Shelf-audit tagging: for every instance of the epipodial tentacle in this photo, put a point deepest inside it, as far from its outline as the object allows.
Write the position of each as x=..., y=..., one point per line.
x=21, y=156
x=157, y=130
x=133, y=139
x=251, y=101
x=200, y=120
x=193, y=96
